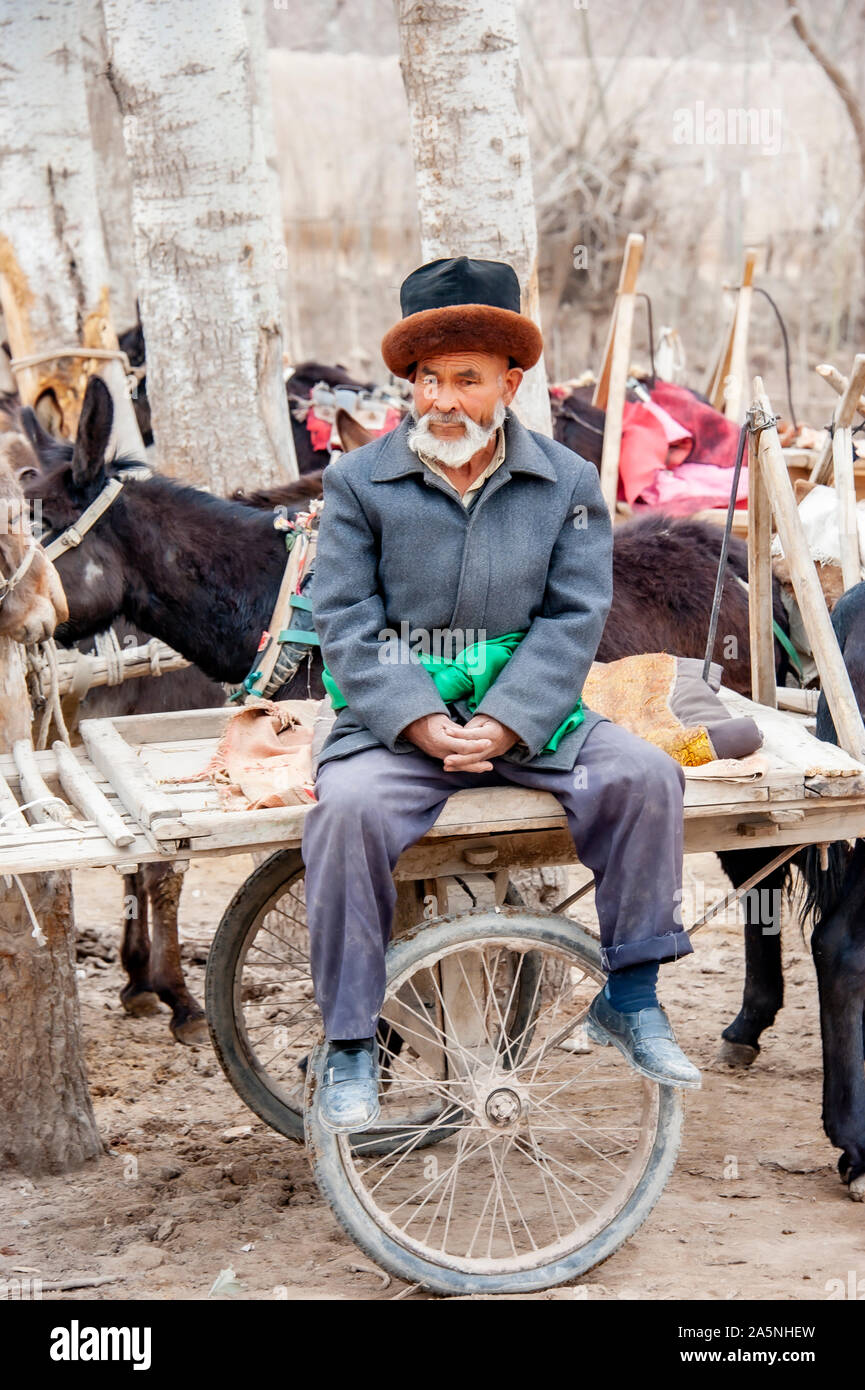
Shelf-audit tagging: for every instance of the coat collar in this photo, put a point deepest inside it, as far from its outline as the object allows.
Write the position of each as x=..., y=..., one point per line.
x=522, y=454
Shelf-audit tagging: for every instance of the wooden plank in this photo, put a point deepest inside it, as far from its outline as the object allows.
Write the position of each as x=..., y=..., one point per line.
x=48, y=807
x=609, y=393
x=719, y=383
x=809, y=595
x=88, y=798
x=845, y=482
x=734, y=382
x=173, y=725
x=760, y=614
x=194, y=725
x=11, y=815
x=788, y=740
x=231, y=828
x=628, y=273
x=846, y=408
x=144, y=801
x=799, y=701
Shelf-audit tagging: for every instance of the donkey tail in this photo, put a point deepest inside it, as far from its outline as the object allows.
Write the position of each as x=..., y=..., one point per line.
x=824, y=887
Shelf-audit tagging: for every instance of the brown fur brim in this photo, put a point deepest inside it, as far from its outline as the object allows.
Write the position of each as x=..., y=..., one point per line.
x=461, y=328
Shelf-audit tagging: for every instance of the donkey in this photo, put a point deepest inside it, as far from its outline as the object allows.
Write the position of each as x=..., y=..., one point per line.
x=833, y=899
x=150, y=949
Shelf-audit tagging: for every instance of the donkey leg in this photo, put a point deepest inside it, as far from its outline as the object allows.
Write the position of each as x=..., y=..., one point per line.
x=763, y=994
x=136, y=996
x=838, y=946
x=164, y=883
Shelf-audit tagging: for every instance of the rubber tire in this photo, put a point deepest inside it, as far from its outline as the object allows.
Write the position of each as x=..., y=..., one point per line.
x=324, y=1150
x=225, y=950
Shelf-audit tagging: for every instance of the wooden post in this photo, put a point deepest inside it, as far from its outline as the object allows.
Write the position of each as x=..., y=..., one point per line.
x=609, y=394
x=850, y=403
x=809, y=595
x=727, y=382
x=760, y=615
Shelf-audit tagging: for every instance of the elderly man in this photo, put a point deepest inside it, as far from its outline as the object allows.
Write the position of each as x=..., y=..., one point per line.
x=463, y=532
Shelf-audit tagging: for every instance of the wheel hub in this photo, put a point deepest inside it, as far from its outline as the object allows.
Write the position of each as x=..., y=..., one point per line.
x=503, y=1108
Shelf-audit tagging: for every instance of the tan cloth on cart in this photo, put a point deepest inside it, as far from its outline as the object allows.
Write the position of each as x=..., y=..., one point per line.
x=264, y=758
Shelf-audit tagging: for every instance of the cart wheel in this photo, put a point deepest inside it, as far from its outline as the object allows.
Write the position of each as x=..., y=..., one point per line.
x=553, y=1154
x=263, y=1018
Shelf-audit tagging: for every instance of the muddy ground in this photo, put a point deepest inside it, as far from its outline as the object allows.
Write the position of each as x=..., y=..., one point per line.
x=193, y=1184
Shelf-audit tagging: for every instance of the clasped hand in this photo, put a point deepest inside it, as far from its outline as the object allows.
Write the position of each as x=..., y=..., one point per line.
x=461, y=747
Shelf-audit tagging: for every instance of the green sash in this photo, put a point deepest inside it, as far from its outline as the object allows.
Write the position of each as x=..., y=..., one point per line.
x=469, y=677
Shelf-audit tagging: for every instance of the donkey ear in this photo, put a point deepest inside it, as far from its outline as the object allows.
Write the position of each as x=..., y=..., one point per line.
x=352, y=434
x=38, y=438
x=94, y=432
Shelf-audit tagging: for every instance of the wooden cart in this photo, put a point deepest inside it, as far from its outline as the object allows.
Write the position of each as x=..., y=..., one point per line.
x=513, y=1152
x=514, y=1149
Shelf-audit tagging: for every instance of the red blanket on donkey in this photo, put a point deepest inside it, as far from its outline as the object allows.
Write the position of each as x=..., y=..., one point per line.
x=675, y=452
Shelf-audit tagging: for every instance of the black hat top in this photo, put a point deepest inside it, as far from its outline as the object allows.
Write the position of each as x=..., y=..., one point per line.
x=461, y=280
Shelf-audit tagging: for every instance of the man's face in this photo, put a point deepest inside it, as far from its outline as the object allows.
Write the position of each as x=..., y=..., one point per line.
x=470, y=383
x=459, y=402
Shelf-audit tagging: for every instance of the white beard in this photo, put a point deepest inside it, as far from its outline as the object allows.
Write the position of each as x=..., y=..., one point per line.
x=452, y=453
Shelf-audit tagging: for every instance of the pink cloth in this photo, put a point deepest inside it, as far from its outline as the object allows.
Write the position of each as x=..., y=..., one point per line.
x=676, y=452
x=693, y=486
x=643, y=451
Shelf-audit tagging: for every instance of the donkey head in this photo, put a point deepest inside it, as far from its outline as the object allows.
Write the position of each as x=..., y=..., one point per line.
x=67, y=478
x=32, y=601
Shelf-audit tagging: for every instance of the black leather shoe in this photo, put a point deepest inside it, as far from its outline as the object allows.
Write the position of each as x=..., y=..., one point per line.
x=348, y=1097
x=646, y=1039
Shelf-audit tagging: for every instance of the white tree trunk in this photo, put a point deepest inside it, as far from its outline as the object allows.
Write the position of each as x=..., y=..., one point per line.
x=47, y=1123
x=54, y=273
x=113, y=182
x=262, y=101
x=204, y=246
x=460, y=67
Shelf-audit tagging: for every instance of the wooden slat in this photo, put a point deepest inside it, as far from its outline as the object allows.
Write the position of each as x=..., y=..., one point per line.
x=126, y=772
x=847, y=407
x=760, y=615
x=90, y=800
x=734, y=340
x=609, y=394
x=845, y=482
x=809, y=595
x=789, y=741
x=734, y=382
x=48, y=806
x=194, y=725
x=11, y=815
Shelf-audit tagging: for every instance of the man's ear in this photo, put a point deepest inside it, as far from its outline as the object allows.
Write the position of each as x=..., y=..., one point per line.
x=512, y=384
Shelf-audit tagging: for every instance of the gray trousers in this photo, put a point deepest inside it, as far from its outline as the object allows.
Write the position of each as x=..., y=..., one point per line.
x=623, y=802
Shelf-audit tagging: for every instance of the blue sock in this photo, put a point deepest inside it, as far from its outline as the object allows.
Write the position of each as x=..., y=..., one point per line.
x=633, y=988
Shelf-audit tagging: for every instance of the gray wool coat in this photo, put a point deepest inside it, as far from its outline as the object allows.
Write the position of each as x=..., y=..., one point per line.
x=398, y=554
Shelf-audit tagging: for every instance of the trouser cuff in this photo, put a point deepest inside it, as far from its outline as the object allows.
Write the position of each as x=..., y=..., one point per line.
x=669, y=946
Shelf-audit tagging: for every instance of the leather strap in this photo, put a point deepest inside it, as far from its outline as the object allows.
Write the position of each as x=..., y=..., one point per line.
x=74, y=534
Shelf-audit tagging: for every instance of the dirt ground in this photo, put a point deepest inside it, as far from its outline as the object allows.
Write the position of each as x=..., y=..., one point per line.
x=193, y=1184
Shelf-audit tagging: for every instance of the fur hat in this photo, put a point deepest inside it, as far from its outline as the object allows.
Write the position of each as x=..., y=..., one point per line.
x=460, y=305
